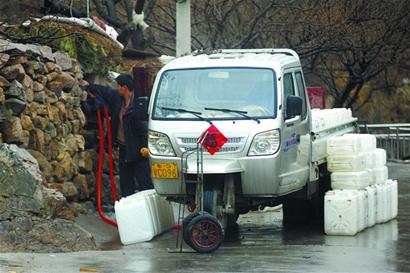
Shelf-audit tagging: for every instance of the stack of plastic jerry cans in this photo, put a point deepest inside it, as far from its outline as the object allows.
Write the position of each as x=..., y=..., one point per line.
x=142, y=216
x=361, y=195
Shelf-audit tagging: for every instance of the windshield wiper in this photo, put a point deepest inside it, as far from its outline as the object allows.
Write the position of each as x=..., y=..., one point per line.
x=181, y=110
x=241, y=113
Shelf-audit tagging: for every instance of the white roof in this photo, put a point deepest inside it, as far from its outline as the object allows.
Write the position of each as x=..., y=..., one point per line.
x=267, y=58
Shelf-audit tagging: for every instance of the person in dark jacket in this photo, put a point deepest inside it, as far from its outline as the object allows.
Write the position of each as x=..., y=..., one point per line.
x=129, y=131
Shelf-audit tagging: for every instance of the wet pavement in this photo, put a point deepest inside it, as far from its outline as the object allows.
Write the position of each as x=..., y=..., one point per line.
x=265, y=247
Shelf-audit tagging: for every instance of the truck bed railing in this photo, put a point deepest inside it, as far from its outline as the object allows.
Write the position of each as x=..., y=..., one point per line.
x=394, y=138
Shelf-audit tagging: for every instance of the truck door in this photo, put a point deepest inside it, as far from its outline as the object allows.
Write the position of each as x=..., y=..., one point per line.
x=295, y=158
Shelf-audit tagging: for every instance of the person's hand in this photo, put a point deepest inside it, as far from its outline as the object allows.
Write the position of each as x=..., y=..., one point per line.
x=144, y=152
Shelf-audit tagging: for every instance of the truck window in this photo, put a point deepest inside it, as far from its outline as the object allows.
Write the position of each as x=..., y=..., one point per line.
x=251, y=90
x=301, y=92
x=288, y=88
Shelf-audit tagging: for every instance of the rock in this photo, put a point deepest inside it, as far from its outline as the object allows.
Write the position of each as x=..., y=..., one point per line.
x=29, y=95
x=2, y=96
x=34, y=67
x=51, y=98
x=4, y=58
x=83, y=207
x=55, y=148
x=20, y=182
x=91, y=180
x=53, y=67
x=37, y=87
x=63, y=60
x=43, y=51
x=64, y=130
x=54, y=114
x=37, y=109
x=25, y=139
x=41, y=79
x=62, y=110
x=26, y=123
x=66, y=80
x=47, y=137
x=21, y=59
x=16, y=106
x=60, y=235
x=80, y=182
x=85, y=160
x=40, y=97
x=15, y=90
x=51, y=130
x=55, y=86
x=12, y=130
x=78, y=114
x=23, y=223
x=45, y=166
x=27, y=82
x=56, y=204
x=52, y=76
x=56, y=186
x=37, y=140
x=4, y=82
x=65, y=168
x=74, y=143
x=69, y=190
x=41, y=122
x=76, y=126
x=13, y=72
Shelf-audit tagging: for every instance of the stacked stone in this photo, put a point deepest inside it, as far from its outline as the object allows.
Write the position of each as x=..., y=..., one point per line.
x=40, y=96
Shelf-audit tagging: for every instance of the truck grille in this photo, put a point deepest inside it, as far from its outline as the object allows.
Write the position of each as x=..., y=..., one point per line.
x=235, y=144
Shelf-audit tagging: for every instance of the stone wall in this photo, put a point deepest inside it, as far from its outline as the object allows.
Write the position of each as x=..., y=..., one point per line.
x=40, y=110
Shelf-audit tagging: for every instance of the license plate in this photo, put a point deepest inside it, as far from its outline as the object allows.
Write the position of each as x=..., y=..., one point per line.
x=164, y=170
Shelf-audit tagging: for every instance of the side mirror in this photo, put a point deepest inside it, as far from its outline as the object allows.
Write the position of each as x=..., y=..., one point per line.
x=293, y=106
x=142, y=108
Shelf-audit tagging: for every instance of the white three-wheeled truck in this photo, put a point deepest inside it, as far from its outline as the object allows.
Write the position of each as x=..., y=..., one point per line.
x=255, y=101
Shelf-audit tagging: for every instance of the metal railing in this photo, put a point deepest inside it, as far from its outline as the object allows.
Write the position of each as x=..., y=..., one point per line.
x=394, y=138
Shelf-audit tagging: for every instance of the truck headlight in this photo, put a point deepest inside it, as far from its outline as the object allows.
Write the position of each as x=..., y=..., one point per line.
x=266, y=143
x=159, y=144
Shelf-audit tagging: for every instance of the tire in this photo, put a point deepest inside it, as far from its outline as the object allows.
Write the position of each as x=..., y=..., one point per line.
x=185, y=224
x=205, y=233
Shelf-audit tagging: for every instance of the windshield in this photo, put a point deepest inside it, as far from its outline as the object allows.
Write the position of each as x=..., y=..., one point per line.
x=249, y=90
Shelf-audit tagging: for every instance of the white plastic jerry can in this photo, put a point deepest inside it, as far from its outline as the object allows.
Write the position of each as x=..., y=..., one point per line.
x=363, y=210
x=367, y=142
x=134, y=219
x=380, y=175
x=350, y=180
x=379, y=158
x=371, y=198
x=348, y=162
x=382, y=206
x=343, y=145
x=342, y=212
x=394, y=197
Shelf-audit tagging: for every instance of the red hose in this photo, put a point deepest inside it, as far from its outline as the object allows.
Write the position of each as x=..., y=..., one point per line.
x=110, y=164
x=100, y=170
